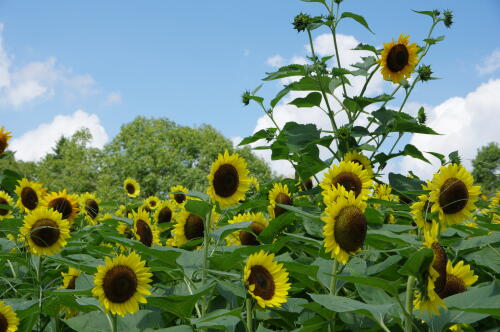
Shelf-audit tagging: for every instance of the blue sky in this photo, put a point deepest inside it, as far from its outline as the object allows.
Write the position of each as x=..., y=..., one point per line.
x=191, y=60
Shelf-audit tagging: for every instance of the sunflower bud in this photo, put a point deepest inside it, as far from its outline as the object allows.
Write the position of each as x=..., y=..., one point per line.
x=301, y=22
x=422, y=117
x=424, y=72
x=436, y=12
x=338, y=1
x=455, y=158
x=245, y=98
x=448, y=18
x=343, y=132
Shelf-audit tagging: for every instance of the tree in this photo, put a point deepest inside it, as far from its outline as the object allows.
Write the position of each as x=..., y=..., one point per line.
x=487, y=167
x=159, y=154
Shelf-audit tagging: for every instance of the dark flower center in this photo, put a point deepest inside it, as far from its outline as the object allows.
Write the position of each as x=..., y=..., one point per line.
x=263, y=281
x=440, y=260
x=130, y=188
x=29, y=198
x=145, y=233
x=349, y=181
x=284, y=199
x=152, y=203
x=397, y=58
x=119, y=284
x=454, y=196
x=4, y=324
x=350, y=228
x=247, y=238
x=92, y=208
x=3, y=146
x=307, y=185
x=3, y=212
x=45, y=232
x=454, y=285
x=72, y=283
x=193, y=228
x=61, y=205
x=179, y=198
x=226, y=180
x=165, y=215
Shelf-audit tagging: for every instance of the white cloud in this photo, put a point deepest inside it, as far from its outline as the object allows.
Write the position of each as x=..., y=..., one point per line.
x=236, y=140
x=113, y=98
x=467, y=123
x=38, y=80
x=276, y=61
x=283, y=112
x=490, y=64
x=35, y=144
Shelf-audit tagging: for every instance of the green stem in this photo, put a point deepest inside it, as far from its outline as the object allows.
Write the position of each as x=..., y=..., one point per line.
x=333, y=291
x=249, y=310
x=409, y=303
x=206, y=240
x=368, y=80
x=112, y=320
x=333, y=28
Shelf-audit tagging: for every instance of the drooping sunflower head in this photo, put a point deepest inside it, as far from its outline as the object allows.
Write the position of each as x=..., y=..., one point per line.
x=5, y=199
x=267, y=281
x=45, y=231
x=189, y=226
x=69, y=278
x=360, y=159
x=228, y=179
x=440, y=258
x=4, y=139
x=30, y=195
x=453, y=194
x=144, y=231
x=345, y=226
x=278, y=195
x=398, y=59
x=458, y=279
x=9, y=321
x=242, y=237
x=421, y=211
x=349, y=175
x=63, y=203
x=122, y=283
x=90, y=205
x=125, y=229
x=152, y=202
x=178, y=194
x=131, y=187
x=165, y=213
x=426, y=298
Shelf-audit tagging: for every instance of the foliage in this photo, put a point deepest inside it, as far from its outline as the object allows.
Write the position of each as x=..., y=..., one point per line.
x=486, y=167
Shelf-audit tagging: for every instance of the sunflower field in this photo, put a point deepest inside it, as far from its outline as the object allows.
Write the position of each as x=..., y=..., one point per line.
x=343, y=246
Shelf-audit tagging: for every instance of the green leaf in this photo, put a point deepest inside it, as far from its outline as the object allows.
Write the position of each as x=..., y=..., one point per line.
x=275, y=226
x=432, y=41
x=309, y=83
x=221, y=232
x=364, y=66
x=279, y=96
x=411, y=150
x=390, y=287
x=267, y=134
x=311, y=100
x=411, y=126
x=199, y=208
x=358, y=18
x=286, y=71
x=425, y=12
x=219, y=319
x=344, y=304
x=418, y=263
x=365, y=47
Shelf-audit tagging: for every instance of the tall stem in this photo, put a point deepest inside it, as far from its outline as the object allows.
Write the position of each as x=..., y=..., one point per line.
x=409, y=303
x=249, y=310
x=333, y=290
x=206, y=240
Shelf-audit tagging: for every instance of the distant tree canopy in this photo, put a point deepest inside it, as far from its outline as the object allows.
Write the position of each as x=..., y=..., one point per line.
x=487, y=167
x=157, y=153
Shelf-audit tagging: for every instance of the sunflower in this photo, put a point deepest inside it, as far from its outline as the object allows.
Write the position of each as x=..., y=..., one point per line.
x=398, y=59
x=189, y=226
x=427, y=299
x=254, y=184
x=165, y=213
x=440, y=258
x=90, y=206
x=131, y=187
x=123, y=211
x=122, y=283
x=453, y=194
x=350, y=175
x=179, y=198
x=152, y=202
x=360, y=159
x=69, y=278
x=8, y=318
x=30, y=195
x=345, y=226
x=458, y=279
x=143, y=230
x=5, y=199
x=45, y=231
x=4, y=139
x=242, y=237
x=63, y=203
x=267, y=280
x=421, y=211
x=279, y=194
x=228, y=179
